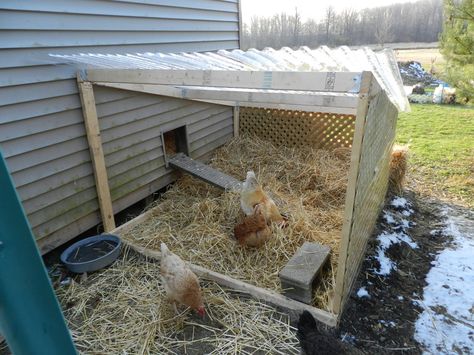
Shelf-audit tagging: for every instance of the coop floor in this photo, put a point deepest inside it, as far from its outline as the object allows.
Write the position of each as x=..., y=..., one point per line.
x=196, y=220
x=124, y=310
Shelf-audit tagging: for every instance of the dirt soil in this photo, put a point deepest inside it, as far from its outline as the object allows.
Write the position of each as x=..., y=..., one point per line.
x=384, y=322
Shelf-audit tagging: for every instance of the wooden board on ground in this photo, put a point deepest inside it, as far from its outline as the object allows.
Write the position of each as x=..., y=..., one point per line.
x=204, y=172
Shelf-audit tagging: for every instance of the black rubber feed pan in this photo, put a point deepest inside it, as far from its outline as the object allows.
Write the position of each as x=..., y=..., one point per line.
x=91, y=254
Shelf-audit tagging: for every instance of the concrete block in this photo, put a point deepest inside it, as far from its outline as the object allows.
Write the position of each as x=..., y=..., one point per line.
x=299, y=273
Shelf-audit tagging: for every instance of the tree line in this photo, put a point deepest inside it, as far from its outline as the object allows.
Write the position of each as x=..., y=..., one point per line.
x=420, y=21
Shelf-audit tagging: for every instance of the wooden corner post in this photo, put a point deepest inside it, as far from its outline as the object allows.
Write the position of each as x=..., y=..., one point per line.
x=91, y=123
x=236, y=121
x=362, y=108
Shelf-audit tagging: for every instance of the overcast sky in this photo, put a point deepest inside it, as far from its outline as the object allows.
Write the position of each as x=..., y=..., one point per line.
x=307, y=8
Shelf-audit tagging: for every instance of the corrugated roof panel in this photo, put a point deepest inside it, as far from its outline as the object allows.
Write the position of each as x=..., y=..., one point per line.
x=342, y=59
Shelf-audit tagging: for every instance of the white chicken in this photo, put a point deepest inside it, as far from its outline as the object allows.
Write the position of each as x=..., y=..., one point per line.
x=252, y=194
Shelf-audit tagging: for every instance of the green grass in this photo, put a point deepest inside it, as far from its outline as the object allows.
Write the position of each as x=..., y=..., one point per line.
x=441, y=142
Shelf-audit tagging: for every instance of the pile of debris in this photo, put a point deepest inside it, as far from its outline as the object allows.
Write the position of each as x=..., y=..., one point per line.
x=413, y=73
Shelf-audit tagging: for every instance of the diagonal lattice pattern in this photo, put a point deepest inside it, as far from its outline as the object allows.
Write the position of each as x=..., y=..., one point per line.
x=298, y=128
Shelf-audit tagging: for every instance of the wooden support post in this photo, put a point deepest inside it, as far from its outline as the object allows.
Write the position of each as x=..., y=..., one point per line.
x=362, y=108
x=91, y=123
x=236, y=121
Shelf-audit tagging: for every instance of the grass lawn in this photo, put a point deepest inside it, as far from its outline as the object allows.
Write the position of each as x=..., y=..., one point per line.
x=441, y=139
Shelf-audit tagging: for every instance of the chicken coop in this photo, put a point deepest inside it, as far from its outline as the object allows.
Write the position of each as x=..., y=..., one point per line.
x=324, y=99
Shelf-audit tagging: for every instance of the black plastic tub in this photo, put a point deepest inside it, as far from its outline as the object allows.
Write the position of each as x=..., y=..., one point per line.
x=92, y=253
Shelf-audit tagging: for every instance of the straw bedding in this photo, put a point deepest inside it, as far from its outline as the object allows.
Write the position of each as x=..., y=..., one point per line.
x=196, y=220
x=124, y=310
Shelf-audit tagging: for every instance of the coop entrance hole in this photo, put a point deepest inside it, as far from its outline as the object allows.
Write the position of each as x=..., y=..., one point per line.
x=175, y=141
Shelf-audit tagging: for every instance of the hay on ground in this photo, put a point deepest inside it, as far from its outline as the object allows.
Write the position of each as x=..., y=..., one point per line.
x=124, y=310
x=398, y=169
x=196, y=220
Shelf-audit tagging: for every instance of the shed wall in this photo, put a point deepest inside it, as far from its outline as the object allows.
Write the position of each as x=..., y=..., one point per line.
x=42, y=134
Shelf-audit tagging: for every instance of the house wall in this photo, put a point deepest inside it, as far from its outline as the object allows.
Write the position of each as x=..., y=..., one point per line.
x=42, y=133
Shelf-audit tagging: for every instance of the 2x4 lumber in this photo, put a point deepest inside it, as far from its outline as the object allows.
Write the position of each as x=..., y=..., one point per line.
x=276, y=80
x=305, y=108
x=362, y=108
x=271, y=297
x=236, y=119
x=91, y=123
x=242, y=96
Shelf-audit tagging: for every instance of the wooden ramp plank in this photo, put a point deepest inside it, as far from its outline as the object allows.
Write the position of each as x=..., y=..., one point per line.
x=204, y=172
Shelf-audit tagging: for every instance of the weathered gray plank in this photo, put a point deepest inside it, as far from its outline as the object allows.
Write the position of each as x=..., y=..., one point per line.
x=64, y=191
x=52, y=180
x=26, y=128
x=120, y=156
x=148, y=122
x=210, y=146
x=204, y=172
x=75, y=227
x=224, y=122
x=220, y=10
x=47, y=154
x=42, y=140
x=124, y=106
x=22, y=20
x=218, y=114
x=29, y=59
x=32, y=109
x=154, y=110
x=195, y=145
x=85, y=202
x=16, y=94
x=34, y=39
x=136, y=161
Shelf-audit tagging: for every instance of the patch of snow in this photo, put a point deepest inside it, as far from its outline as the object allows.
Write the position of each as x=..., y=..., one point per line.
x=447, y=322
x=399, y=202
x=408, y=212
x=400, y=298
x=388, y=323
x=386, y=264
x=386, y=240
x=389, y=217
x=405, y=224
x=348, y=338
x=362, y=292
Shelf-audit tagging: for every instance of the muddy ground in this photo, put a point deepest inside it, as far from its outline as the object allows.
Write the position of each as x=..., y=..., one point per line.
x=384, y=321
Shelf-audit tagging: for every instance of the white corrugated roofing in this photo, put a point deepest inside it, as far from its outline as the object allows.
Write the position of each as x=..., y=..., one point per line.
x=323, y=59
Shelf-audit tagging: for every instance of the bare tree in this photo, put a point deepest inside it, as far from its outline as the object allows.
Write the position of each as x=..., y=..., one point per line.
x=408, y=22
x=383, y=27
x=329, y=21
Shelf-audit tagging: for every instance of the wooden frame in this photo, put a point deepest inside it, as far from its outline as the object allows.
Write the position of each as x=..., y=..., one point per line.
x=91, y=123
x=314, y=92
x=342, y=82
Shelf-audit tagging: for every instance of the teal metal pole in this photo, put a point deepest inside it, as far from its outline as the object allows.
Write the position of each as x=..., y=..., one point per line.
x=30, y=317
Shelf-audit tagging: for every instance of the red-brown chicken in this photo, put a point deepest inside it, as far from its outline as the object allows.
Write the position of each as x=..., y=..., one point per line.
x=253, y=231
x=180, y=283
